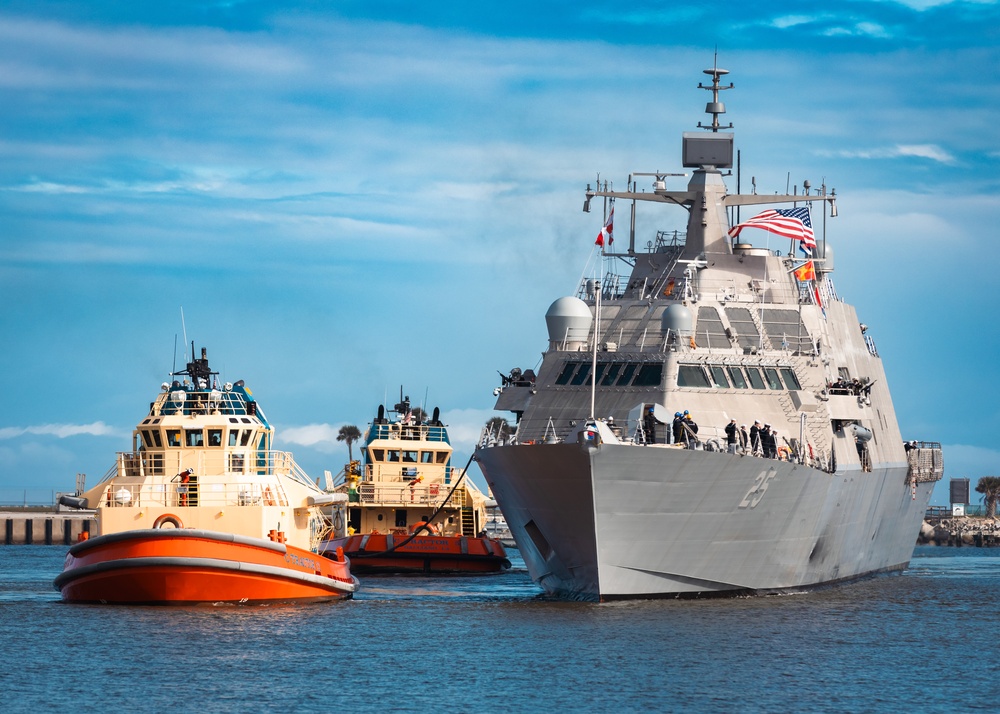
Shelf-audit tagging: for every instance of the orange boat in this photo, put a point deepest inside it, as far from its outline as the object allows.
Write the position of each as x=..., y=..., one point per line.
x=203, y=511
x=409, y=509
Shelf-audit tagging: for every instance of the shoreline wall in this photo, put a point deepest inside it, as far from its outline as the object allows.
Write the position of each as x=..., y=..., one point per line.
x=44, y=528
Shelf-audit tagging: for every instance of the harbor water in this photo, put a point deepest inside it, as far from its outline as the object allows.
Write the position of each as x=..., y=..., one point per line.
x=924, y=640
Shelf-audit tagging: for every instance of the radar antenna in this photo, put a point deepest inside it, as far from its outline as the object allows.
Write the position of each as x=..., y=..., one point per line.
x=715, y=107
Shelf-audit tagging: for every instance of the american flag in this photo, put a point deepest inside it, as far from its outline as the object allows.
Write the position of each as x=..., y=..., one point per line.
x=788, y=222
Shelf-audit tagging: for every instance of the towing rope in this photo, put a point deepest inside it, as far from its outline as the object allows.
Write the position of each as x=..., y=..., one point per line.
x=429, y=520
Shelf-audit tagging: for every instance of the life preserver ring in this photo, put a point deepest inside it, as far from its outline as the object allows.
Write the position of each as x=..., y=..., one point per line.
x=425, y=526
x=168, y=518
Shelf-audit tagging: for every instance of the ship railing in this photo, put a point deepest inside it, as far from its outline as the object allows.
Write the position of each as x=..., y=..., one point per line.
x=396, y=493
x=229, y=463
x=407, y=432
x=192, y=493
x=926, y=462
x=708, y=438
x=193, y=402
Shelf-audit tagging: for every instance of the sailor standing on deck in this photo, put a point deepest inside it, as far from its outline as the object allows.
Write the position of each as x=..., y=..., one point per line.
x=744, y=439
x=770, y=444
x=678, y=427
x=690, y=428
x=756, y=448
x=732, y=442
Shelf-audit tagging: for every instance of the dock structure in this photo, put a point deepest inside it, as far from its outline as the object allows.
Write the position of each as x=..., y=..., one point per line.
x=45, y=528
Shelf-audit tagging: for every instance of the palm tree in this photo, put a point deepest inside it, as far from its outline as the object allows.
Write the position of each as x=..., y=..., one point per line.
x=350, y=434
x=989, y=486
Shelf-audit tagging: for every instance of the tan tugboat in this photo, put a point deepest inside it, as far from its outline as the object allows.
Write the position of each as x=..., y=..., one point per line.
x=410, y=510
x=202, y=510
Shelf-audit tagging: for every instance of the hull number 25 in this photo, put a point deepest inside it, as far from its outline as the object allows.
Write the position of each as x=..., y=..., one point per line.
x=756, y=491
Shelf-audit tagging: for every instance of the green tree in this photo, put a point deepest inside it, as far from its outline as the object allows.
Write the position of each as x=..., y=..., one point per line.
x=350, y=434
x=989, y=486
x=499, y=428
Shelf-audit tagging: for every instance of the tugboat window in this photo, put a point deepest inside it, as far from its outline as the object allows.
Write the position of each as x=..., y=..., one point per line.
x=394, y=455
x=215, y=437
x=756, y=381
x=194, y=437
x=737, y=376
x=650, y=375
x=426, y=457
x=719, y=377
x=247, y=433
x=442, y=457
x=790, y=379
x=234, y=436
x=410, y=457
x=401, y=518
x=773, y=381
x=378, y=454
x=692, y=375
x=173, y=437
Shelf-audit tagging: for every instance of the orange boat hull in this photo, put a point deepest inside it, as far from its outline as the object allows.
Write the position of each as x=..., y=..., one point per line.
x=423, y=554
x=188, y=566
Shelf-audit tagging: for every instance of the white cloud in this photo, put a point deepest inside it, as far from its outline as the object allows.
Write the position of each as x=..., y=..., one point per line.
x=321, y=437
x=924, y=151
x=61, y=431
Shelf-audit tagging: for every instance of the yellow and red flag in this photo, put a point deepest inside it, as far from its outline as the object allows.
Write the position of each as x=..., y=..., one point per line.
x=806, y=271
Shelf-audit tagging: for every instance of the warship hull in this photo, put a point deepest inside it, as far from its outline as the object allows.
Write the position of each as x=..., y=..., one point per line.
x=626, y=521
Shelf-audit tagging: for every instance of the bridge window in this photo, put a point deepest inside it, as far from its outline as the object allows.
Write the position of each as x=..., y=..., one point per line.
x=609, y=378
x=581, y=375
x=692, y=375
x=627, y=373
x=756, y=381
x=736, y=374
x=650, y=375
x=719, y=377
x=567, y=372
x=215, y=437
x=791, y=381
x=194, y=437
x=173, y=437
x=773, y=381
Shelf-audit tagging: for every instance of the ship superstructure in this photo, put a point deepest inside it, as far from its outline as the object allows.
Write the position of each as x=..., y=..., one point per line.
x=713, y=418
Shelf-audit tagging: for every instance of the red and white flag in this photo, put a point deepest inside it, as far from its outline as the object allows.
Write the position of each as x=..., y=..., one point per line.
x=608, y=230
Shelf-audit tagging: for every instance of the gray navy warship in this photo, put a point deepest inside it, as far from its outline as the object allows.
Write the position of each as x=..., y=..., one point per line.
x=713, y=419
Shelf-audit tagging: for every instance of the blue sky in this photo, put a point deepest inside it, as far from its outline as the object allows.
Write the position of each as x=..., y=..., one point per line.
x=345, y=197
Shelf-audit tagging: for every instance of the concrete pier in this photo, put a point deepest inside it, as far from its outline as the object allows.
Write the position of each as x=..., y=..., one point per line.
x=41, y=528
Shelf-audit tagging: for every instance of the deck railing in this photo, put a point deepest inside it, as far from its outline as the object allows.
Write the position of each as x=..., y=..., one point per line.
x=398, y=493
x=170, y=494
